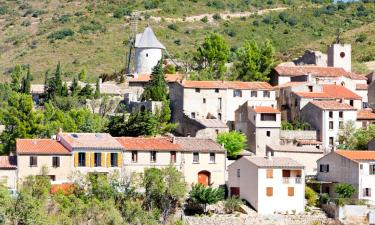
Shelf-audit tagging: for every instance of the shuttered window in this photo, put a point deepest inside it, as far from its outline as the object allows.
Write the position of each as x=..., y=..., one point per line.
x=269, y=173
x=81, y=159
x=269, y=191
x=290, y=191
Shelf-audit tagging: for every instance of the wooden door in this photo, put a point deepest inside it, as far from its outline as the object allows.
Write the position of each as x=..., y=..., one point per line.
x=234, y=191
x=204, y=178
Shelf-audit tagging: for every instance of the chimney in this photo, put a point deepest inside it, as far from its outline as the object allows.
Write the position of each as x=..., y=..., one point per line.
x=58, y=136
x=269, y=155
x=174, y=140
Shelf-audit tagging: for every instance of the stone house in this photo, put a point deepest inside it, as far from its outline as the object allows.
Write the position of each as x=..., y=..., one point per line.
x=8, y=171
x=365, y=117
x=269, y=184
x=202, y=128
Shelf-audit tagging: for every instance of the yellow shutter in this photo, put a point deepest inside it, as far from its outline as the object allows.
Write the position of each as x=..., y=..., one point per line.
x=92, y=159
x=75, y=159
x=87, y=155
x=119, y=158
x=108, y=159
x=102, y=156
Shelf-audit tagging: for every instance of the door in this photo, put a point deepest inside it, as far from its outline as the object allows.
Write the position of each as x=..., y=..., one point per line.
x=234, y=191
x=204, y=178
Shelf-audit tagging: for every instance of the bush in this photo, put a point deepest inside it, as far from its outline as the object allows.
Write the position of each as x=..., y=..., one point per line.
x=324, y=198
x=344, y=190
x=173, y=26
x=311, y=196
x=60, y=34
x=91, y=27
x=204, y=19
x=232, y=204
x=216, y=16
x=361, y=38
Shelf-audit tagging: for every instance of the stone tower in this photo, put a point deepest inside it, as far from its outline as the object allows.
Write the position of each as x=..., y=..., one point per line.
x=340, y=55
x=148, y=52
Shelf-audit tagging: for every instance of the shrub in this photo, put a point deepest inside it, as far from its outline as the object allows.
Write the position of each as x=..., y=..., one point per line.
x=232, y=204
x=206, y=195
x=344, y=190
x=311, y=196
x=204, y=19
x=324, y=198
x=64, y=18
x=60, y=34
x=91, y=27
x=151, y=4
x=361, y=38
x=121, y=12
x=216, y=16
x=173, y=26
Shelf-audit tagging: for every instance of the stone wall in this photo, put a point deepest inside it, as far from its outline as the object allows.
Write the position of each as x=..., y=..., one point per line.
x=298, y=134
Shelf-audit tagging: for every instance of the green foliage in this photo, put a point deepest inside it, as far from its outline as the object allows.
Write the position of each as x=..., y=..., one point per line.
x=232, y=204
x=344, y=190
x=295, y=125
x=206, y=195
x=60, y=34
x=311, y=196
x=324, y=198
x=170, y=69
x=16, y=76
x=156, y=90
x=355, y=139
x=97, y=89
x=82, y=76
x=254, y=63
x=26, y=82
x=234, y=142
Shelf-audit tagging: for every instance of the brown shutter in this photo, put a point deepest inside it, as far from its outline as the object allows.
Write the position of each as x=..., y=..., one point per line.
x=269, y=191
x=270, y=173
x=290, y=191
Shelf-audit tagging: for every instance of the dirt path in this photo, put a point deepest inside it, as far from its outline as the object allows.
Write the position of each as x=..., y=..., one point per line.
x=225, y=15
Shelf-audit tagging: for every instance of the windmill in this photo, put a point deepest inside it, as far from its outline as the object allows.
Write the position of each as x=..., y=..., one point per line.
x=131, y=42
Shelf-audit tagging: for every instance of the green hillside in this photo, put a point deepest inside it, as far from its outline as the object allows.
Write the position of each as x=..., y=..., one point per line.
x=94, y=33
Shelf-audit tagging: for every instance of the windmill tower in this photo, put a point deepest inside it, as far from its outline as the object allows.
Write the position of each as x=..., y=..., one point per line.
x=131, y=42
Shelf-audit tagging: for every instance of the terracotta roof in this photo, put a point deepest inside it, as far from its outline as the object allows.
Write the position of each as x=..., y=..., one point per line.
x=40, y=147
x=289, y=84
x=148, y=144
x=264, y=109
x=90, y=141
x=316, y=71
x=227, y=85
x=332, y=105
x=8, y=162
x=339, y=91
x=357, y=155
x=365, y=114
x=274, y=162
x=147, y=77
x=313, y=95
x=361, y=86
x=199, y=144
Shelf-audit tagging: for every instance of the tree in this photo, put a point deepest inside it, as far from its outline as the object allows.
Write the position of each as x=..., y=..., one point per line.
x=26, y=82
x=97, y=89
x=212, y=55
x=234, y=142
x=141, y=124
x=156, y=90
x=344, y=190
x=54, y=85
x=206, y=195
x=254, y=63
x=16, y=76
x=345, y=135
x=75, y=88
x=83, y=74
x=86, y=91
x=353, y=139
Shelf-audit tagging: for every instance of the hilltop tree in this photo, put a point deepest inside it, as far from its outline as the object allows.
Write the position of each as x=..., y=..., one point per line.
x=234, y=142
x=156, y=90
x=212, y=55
x=253, y=62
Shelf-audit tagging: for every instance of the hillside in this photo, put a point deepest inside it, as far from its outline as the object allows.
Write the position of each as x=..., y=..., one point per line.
x=94, y=33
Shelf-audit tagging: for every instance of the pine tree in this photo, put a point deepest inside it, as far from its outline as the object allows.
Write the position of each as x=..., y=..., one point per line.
x=58, y=81
x=74, y=88
x=16, y=78
x=83, y=74
x=156, y=89
x=97, y=89
x=64, y=90
x=26, y=82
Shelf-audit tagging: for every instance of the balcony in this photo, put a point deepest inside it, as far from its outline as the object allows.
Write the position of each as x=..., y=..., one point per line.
x=292, y=180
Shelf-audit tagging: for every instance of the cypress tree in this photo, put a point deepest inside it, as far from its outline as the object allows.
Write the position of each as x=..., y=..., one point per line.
x=58, y=81
x=97, y=89
x=156, y=90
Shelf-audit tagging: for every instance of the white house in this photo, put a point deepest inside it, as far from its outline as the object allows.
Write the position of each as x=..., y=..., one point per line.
x=8, y=171
x=269, y=184
x=354, y=167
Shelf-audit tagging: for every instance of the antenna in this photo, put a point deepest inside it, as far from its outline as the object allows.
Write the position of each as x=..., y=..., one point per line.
x=131, y=42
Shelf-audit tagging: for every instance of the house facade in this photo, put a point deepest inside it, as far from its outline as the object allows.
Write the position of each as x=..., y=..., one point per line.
x=269, y=184
x=8, y=171
x=353, y=167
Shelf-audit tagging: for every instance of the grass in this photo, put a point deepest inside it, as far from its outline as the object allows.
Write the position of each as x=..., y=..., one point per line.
x=99, y=39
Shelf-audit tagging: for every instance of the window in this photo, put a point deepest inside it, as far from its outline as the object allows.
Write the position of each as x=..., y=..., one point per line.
x=290, y=191
x=114, y=159
x=254, y=94
x=331, y=141
x=238, y=173
x=324, y=168
x=97, y=159
x=173, y=157
x=266, y=94
x=195, y=157
x=153, y=156
x=216, y=131
x=52, y=177
x=197, y=90
x=193, y=115
x=341, y=125
x=237, y=93
x=351, y=102
x=269, y=191
x=372, y=169
x=268, y=133
x=331, y=125
x=81, y=159
x=367, y=192
x=270, y=173
x=55, y=161
x=217, y=90
x=134, y=156
x=33, y=161
x=204, y=100
x=146, y=54
x=361, y=166
x=219, y=103
x=310, y=87
x=219, y=116
x=341, y=114
x=268, y=117
x=330, y=114
x=212, y=157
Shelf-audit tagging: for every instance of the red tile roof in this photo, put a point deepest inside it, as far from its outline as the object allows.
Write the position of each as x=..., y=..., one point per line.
x=147, y=78
x=332, y=105
x=289, y=84
x=316, y=71
x=90, y=141
x=331, y=91
x=264, y=109
x=365, y=114
x=8, y=162
x=357, y=155
x=313, y=95
x=227, y=85
x=361, y=87
x=148, y=144
x=40, y=147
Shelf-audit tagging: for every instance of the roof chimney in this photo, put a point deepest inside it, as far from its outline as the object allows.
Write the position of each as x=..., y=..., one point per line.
x=174, y=140
x=269, y=155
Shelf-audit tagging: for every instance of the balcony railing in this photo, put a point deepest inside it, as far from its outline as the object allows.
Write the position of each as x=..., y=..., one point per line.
x=291, y=180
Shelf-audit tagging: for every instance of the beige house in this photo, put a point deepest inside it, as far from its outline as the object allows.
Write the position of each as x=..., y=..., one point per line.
x=269, y=184
x=365, y=117
x=260, y=124
x=202, y=128
x=8, y=171
x=200, y=160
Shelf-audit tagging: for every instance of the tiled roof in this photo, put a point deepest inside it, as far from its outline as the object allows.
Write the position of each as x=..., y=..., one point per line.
x=331, y=91
x=357, y=155
x=147, y=77
x=264, y=109
x=313, y=95
x=332, y=105
x=148, y=144
x=90, y=141
x=227, y=85
x=361, y=86
x=8, y=162
x=293, y=148
x=40, y=147
x=365, y=114
x=289, y=84
x=198, y=144
x=212, y=123
x=274, y=162
x=316, y=71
